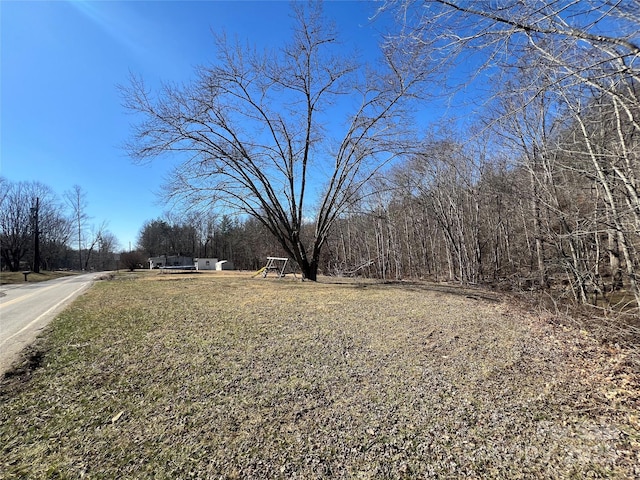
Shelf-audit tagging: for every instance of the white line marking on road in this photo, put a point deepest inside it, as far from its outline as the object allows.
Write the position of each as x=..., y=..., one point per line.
x=43, y=314
x=29, y=295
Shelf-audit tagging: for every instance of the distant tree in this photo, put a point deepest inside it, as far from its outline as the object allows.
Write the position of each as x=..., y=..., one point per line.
x=95, y=241
x=16, y=221
x=76, y=199
x=202, y=225
x=255, y=129
x=228, y=237
x=56, y=230
x=132, y=260
x=154, y=238
x=4, y=188
x=107, y=246
x=169, y=237
x=15, y=224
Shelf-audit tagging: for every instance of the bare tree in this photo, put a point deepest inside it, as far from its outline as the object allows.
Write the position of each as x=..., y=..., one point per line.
x=15, y=224
x=170, y=236
x=580, y=38
x=105, y=255
x=17, y=200
x=76, y=199
x=55, y=231
x=608, y=143
x=132, y=260
x=256, y=132
x=95, y=240
x=443, y=178
x=576, y=54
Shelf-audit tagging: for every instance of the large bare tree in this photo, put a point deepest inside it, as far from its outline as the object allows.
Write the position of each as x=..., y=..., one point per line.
x=287, y=136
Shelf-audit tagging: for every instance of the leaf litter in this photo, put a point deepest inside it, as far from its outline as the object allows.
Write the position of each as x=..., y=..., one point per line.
x=231, y=377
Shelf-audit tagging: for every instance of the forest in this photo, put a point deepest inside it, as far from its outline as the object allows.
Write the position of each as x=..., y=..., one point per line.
x=536, y=189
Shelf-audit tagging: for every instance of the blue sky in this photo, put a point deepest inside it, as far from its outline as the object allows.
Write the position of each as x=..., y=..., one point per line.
x=62, y=122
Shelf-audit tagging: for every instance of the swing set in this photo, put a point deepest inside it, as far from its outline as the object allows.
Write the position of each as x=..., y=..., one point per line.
x=276, y=265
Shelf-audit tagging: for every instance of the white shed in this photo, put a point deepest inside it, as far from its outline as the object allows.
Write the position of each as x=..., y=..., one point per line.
x=206, y=263
x=224, y=265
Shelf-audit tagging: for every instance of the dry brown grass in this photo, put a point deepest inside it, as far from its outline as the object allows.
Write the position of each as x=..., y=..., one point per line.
x=224, y=376
x=7, y=278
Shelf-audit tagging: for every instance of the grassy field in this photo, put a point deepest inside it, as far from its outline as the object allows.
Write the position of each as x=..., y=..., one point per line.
x=7, y=278
x=224, y=376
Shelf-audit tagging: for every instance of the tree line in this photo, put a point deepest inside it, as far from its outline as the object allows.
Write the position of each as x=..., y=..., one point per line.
x=561, y=131
x=537, y=189
x=40, y=229
x=244, y=241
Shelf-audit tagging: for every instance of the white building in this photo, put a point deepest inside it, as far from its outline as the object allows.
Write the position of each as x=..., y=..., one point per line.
x=164, y=261
x=206, y=263
x=224, y=265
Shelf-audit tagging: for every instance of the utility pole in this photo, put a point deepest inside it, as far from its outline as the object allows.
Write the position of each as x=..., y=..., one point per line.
x=35, y=210
x=79, y=238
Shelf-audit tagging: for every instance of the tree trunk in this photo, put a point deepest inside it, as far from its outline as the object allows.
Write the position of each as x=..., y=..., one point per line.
x=537, y=231
x=309, y=270
x=614, y=261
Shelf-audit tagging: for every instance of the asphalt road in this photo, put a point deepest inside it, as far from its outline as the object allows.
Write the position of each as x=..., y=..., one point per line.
x=26, y=308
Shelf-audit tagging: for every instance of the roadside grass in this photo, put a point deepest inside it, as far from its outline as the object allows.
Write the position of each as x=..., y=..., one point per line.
x=8, y=278
x=225, y=376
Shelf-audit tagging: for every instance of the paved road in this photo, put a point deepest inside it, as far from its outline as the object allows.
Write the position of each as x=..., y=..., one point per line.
x=26, y=308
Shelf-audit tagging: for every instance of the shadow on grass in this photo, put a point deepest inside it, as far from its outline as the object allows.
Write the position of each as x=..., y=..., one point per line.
x=415, y=286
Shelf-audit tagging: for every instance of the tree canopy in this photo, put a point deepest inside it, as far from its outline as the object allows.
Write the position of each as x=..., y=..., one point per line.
x=267, y=134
